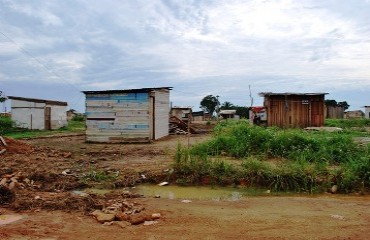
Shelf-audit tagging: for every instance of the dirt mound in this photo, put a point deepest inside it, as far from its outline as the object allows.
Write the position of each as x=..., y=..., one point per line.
x=16, y=146
x=66, y=201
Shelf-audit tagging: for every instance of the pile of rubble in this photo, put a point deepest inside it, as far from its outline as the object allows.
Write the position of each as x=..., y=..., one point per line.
x=118, y=210
x=123, y=213
x=16, y=180
x=10, y=182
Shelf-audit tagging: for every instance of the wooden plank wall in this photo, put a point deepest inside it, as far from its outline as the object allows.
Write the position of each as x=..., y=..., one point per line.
x=295, y=110
x=121, y=117
x=162, y=112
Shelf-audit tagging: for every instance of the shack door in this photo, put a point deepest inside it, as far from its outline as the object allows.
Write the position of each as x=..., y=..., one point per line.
x=152, y=115
x=47, y=118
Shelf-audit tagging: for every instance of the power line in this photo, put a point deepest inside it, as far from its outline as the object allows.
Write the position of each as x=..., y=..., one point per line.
x=50, y=70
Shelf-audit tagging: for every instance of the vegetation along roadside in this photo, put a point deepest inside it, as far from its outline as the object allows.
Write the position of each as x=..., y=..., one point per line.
x=278, y=159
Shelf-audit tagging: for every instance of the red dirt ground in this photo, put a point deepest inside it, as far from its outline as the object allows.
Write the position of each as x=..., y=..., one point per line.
x=50, y=211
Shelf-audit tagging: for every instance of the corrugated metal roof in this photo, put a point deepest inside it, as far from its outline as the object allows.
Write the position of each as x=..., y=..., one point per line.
x=126, y=90
x=263, y=94
x=50, y=102
x=227, y=111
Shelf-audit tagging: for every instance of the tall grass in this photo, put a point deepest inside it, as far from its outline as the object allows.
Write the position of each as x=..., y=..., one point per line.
x=283, y=160
x=348, y=123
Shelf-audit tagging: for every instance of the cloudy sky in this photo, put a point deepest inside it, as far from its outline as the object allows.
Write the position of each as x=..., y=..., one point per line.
x=56, y=49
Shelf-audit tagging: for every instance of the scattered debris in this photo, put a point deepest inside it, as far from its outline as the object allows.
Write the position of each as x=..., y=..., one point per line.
x=334, y=189
x=67, y=172
x=156, y=215
x=339, y=217
x=186, y=201
x=148, y=223
x=163, y=184
x=3, y=141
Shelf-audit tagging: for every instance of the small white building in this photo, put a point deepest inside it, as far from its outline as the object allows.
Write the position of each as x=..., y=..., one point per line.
x=38, y=114
x=367, y=111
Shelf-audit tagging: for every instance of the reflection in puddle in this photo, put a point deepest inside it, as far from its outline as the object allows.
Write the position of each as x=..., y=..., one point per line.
x=199, y=193
x=5, y=219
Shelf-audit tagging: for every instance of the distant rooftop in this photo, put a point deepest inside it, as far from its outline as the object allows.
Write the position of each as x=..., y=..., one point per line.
x=36, y=100
x=263, y=94
x=141, y=90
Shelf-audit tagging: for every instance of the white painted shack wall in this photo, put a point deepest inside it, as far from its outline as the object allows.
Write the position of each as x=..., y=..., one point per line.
x=31, y=115
x=28, y=114
x=367, y=112
x=58, y=116
x=119, y=117
x=162, y=111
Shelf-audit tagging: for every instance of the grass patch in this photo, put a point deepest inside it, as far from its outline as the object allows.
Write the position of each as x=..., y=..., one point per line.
x=308, y=161
x=17, y=133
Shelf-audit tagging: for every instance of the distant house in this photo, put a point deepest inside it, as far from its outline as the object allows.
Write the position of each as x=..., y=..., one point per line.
x=131, y=115
x=294, y=109
x=334, y=112
x=225, y=114
x=354, y=114
x=182, y=113
x=38, y=114
x=201, y=116
x=73, y=113
x=367, y=111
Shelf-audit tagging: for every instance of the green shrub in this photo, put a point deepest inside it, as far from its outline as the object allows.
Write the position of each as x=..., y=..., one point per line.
x=305, y=161
x=6, y=125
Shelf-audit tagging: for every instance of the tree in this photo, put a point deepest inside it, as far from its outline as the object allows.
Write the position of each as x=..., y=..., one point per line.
x=2, y=97
x=333, y=103
x=330, y=102
x=227, y=105
x=209, y=103
x=344, y=104
x=243, y=112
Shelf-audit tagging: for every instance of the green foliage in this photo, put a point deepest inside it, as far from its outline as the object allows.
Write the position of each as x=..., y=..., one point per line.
x=2, y=97
x=333, y=103
x=6, y=125
x=78, y=118
x=192, y=169
x=302, y=161
x=73, y=126
x=348, y=123
x=209, y=103
x=98, y=176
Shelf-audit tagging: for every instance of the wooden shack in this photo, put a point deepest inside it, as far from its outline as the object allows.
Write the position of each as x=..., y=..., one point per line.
x=38, y=114
x=131, y=115
x=183, y=113
x=354, y=114
x=294, y=109
x=226, y=114
x=334, y=112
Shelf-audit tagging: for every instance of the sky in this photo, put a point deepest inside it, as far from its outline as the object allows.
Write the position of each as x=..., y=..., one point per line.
x=231, y=48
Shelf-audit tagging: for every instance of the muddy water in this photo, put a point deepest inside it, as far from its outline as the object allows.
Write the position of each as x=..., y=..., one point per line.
x=195, y=193
x=181, y=192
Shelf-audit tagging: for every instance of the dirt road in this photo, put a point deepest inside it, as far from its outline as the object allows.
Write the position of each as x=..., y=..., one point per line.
x=268, y=217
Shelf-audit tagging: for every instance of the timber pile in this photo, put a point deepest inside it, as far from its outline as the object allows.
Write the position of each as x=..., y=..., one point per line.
x=2, y=145
x=177, y=126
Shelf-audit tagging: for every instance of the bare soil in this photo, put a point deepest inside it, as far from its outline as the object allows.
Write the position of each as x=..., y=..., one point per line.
x=48, y=169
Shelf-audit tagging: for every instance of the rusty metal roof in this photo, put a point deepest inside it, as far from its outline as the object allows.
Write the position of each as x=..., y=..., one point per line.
x=263, y=94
